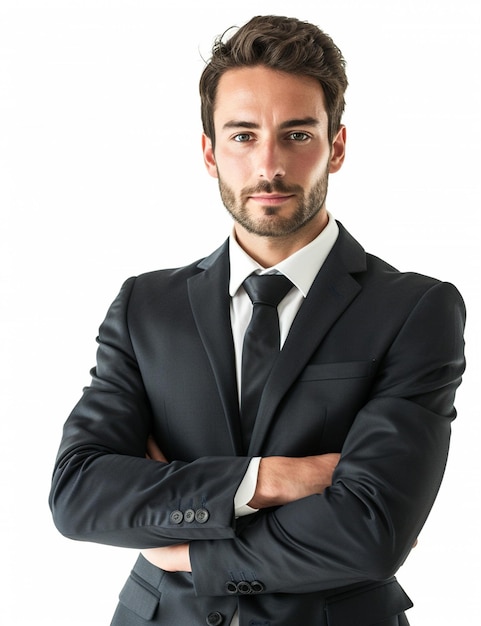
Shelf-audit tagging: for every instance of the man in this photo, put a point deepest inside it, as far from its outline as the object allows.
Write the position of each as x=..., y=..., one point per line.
x=298, y=502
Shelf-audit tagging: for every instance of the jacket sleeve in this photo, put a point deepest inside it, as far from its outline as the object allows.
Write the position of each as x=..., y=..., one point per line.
x=363, y=527
x=104, y=489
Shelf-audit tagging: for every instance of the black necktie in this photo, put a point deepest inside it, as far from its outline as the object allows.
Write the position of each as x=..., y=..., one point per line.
x=261, y=342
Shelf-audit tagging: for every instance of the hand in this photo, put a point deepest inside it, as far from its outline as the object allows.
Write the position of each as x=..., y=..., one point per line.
x=170, y=558
x=285, y=479
x=154, y=452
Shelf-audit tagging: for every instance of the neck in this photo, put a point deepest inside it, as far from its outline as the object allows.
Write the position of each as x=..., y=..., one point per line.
x=269, y=251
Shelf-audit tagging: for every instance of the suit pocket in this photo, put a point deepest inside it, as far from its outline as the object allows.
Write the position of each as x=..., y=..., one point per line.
x=338, y=371
x=368, y=605
x=140, y=593
x=139, y=597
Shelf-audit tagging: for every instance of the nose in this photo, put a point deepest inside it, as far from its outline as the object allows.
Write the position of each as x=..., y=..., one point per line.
x=270, y=160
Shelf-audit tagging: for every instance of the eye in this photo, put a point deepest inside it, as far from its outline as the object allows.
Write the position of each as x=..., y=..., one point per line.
x=299, y=136
x=242, y=137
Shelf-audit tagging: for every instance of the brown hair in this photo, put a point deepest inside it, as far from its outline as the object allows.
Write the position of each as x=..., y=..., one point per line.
x=281, y=43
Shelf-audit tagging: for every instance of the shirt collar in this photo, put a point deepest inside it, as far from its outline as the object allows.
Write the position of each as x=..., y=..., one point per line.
x=301, y=267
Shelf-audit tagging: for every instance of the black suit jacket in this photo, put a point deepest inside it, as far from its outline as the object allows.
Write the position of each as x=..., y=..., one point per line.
x=369, y=369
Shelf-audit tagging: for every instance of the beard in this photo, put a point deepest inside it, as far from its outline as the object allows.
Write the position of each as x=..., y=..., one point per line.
x=272, y=224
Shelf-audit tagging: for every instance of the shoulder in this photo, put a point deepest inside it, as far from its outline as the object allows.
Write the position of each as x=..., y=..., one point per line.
x=371, y=271
x=386, y=286
x=383, y=276
x=166, y=287
x=410, y=295
x=177, y=276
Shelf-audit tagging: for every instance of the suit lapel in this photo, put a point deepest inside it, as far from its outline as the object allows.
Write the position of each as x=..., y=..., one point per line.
x=210, y=302
x=331, y=293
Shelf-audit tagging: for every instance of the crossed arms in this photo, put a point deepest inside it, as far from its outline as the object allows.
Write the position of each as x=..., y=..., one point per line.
x=360, y=528
x=280, y=480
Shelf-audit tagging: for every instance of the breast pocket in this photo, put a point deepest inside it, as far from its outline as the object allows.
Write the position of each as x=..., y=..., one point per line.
x=325, y=401
x=338, y=371
x=318, y=410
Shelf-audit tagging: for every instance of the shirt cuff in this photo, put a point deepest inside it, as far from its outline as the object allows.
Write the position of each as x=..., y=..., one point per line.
x=246, y=489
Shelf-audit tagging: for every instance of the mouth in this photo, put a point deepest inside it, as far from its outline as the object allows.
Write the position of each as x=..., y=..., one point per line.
x=271, y=199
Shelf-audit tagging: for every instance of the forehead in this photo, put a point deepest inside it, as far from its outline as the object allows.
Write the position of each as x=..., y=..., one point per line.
x=266, y=94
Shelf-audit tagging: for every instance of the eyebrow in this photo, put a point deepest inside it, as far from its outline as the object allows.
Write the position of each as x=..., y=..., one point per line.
x=305, y=121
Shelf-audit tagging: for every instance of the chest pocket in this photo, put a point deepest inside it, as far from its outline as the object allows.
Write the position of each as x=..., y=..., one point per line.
x=338, y=371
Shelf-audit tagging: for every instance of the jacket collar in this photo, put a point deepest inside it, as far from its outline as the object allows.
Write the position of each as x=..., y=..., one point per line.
x=210, y=302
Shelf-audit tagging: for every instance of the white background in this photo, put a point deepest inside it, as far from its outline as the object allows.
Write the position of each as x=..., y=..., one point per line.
x=101, y=177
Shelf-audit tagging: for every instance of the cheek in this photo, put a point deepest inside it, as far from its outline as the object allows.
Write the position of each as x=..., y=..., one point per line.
x=234, y=170
x=312, y=168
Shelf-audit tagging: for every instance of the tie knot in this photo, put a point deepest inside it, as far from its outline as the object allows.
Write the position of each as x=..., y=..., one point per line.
x=267, y=288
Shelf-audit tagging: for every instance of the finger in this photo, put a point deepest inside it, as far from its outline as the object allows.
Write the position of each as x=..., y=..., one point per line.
x=153, y=451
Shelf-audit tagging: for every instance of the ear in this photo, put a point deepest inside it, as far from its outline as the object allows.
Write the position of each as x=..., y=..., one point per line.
x=209, y=158
x=338, y=151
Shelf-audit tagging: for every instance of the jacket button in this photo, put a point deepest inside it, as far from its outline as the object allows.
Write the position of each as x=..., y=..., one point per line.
x=230, y=587
x=189, y=516
x=201, y=516
x=176, y=517
x=257, y=586
x=214, y=619
x=244, y=587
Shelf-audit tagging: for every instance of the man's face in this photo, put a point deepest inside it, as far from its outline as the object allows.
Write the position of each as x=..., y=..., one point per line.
x=272, y=155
